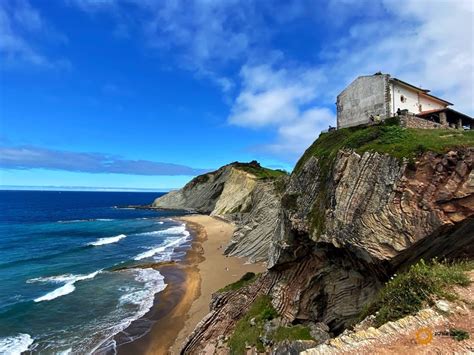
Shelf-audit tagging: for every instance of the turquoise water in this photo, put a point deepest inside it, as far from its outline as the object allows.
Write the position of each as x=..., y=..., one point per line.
x=59, y=291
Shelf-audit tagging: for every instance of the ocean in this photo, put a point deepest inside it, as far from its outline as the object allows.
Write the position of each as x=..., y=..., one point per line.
x=60, y=290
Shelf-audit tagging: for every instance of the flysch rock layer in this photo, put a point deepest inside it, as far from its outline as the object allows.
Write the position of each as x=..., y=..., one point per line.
x=237, y=196
x=338, y=235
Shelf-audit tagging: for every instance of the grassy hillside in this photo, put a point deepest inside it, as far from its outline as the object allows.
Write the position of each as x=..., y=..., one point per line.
x=388, y=138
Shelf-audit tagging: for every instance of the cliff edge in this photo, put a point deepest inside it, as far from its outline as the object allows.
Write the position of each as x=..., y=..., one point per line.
x=361, y=204
x=243, y=193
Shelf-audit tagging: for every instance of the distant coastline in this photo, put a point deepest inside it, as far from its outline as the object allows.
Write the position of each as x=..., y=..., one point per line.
x=82, y=189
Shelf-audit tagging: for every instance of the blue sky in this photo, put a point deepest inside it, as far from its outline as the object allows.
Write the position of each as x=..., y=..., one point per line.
x=147, y=94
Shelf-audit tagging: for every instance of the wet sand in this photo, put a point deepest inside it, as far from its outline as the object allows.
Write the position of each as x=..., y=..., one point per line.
x=191, y=283
x=216, y=271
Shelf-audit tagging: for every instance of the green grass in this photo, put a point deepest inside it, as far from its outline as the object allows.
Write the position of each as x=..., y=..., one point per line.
x=246, y=334
x=259, y=171
x=295, y=332
x=246, y=279
x=262, y=311
x=388, y=137
x=409, y=292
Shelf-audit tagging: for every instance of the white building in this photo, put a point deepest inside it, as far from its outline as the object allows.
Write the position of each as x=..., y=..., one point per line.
x=373, y=97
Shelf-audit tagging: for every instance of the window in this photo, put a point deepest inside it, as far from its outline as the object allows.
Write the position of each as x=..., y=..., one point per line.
x=403, y=98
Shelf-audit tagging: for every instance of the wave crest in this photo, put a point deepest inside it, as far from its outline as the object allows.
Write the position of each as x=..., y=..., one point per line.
x=178, y=230
x=109, y=240
x=161, y=249
x=67, y=288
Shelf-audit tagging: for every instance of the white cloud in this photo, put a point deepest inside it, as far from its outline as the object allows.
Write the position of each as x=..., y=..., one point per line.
x=294, y=137
x=425, y=42
x=285, y=99
x=428, y=43
x=20, y=23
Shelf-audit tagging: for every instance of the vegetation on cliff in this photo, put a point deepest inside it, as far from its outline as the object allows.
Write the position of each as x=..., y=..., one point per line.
x=250, y=330
x=387, y=138
x=246, y=279
x=407, y=293
x=259, y=171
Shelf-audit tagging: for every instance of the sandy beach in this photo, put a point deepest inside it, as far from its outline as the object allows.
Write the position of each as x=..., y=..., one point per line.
x=191, y=283
x=215, y=271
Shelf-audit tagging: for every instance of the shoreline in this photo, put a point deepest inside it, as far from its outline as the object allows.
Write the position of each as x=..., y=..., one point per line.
x=170, y=306
x=190, y=285
x=215, y=270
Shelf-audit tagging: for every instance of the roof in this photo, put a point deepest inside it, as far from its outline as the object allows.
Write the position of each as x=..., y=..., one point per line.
x=420, y=90
x=446, y=109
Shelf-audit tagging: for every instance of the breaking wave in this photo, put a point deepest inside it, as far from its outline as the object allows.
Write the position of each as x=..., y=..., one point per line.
x=142, y=298
x=109, y=240
x=178, y=230
x=15, y=345
x=68, y=279
x=87, y=220
x=170, y=243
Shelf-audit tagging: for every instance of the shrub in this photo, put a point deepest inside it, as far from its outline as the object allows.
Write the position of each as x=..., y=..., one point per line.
x=259, y=171
x=407, y=293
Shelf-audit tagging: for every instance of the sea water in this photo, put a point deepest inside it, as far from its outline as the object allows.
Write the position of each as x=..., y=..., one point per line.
x=63, y=287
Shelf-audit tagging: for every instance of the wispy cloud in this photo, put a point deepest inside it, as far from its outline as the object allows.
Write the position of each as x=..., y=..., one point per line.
x=406, y=41
x=426, y=42
x=29, y=157
x=285, y=99
x=20, y=27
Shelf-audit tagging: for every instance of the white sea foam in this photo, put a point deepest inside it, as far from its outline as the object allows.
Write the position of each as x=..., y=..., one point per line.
x=178, y=230
x=68, y=287
x=15, y=345
x=143, y=298
x=162, y=248
x=109, y=240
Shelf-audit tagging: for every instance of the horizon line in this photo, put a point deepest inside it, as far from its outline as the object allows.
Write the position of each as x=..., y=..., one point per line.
x=82, y=188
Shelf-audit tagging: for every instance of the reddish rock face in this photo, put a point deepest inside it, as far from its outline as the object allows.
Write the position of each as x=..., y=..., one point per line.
x=373, y=215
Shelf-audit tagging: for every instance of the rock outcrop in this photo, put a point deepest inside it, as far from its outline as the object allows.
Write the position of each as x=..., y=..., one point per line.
x=219, y=192
x=238, y=195
x=381, y=209
x=343, y=229
x=349, y=216
x=255, y=228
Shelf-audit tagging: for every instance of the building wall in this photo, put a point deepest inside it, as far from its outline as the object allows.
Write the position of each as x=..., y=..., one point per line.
x=429, y=104
x=365, y=96
x=412, y=101
x=409, y=102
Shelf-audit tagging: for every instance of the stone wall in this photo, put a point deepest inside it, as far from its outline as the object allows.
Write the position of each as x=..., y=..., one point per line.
x=417, y=122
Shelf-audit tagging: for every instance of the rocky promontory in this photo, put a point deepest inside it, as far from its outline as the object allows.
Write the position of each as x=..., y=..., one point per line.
x=243, y=193
x=362, y=204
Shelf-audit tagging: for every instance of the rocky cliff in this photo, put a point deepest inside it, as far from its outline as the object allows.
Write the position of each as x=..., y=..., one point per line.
x=361, y=204
x=243, y=193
